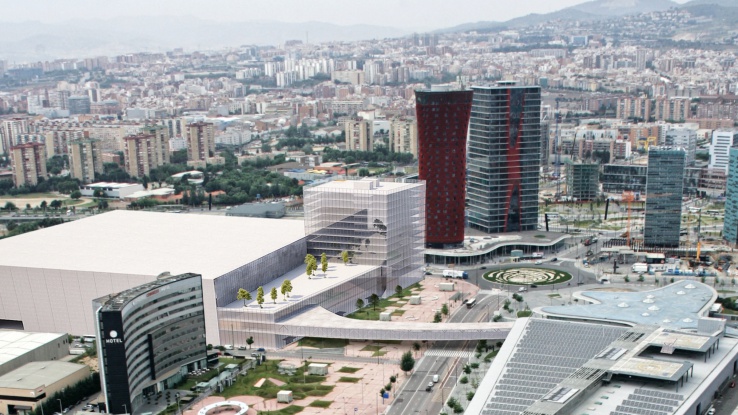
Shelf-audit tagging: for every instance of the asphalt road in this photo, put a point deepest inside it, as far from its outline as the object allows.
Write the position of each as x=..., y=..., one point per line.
x=444, y=359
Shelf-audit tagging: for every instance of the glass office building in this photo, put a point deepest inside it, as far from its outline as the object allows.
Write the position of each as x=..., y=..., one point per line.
x=378, y=222
x=504, y=158
x=148, y=338
x=582, y=180
x=617, y=178
x=730, y=224
x=664, y=187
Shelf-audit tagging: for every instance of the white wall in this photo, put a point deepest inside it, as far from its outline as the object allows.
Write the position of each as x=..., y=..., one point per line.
x=58, y=301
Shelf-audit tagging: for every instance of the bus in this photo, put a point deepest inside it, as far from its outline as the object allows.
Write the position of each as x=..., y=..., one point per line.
x=88, y=338
x=470, y=303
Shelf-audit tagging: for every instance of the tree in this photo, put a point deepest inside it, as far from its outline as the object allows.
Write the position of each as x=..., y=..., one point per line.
x=407, y=362
x=260, y=296
x=250, y=341
x=359, y=304
x=266, y=148
x=323, y=262
x=285, y=288
x=437, y=318
x=345, y=257
x=311, y=267
x=43, y=205
x=243, y=295
x=374, y=301
x=416, y=347
x=398, y=291
x=76, y=195
x=444, y=309
x=273, y=294
x=55, y=204
x=10, y=206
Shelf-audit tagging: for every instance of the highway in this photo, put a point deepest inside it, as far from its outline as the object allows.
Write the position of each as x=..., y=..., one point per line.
x=445, y=359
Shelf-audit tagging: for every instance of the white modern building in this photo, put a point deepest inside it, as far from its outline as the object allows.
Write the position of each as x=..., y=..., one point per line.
x=113, y=190
x=722, y=141
x=644, y=353
x=50, y=277
x=380, y=223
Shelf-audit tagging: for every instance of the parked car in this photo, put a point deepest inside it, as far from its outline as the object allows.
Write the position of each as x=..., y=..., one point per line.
x=261, y=349
x=539, y=262
x=554, y=259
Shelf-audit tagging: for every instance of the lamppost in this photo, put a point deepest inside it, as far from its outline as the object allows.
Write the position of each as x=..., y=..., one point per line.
x=61, y=407
x=125, y=408
x=176, y=396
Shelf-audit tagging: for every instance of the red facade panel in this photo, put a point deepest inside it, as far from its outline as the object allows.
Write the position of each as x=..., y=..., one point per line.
x=443, y=123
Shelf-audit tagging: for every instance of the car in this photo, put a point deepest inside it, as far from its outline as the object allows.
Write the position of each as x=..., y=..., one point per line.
x=228, y=347
x=522, y=289
x=430, y=384
x=429, y=388
x=428, y=273
x=539, y=262
x=533, y=286
x=65, y=410
x=261, y=349
x=586, y=265
x=435, y=378
x=483, y=268
x=241, y=347
x=554, y=259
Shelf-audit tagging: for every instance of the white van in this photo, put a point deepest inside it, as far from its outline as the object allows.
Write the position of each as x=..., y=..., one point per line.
x=435, y=378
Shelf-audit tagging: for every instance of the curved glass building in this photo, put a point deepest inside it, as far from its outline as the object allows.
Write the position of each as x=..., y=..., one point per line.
x=148, y=338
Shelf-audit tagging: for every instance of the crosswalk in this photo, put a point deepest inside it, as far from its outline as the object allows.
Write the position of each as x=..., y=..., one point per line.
x=450, y=353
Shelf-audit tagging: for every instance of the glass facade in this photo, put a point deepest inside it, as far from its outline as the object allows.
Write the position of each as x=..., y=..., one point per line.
x=443, y=123
x=259, y=272
x=504, y=158
x=617, y=178
x=379, y=223
x=730, y=224
x=582, y=180
x=149, y=337
x=238, y=324
x=664, y=187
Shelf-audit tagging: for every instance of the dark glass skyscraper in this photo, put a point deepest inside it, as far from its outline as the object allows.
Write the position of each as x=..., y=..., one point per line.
x=730, y=224
x=443, y=121
x=504, y=158
x=664, y=186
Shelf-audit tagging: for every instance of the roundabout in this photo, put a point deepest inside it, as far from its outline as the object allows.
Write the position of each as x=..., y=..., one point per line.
x=527, y=276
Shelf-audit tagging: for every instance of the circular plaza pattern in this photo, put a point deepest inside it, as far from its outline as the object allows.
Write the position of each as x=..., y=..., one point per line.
x=527, y=276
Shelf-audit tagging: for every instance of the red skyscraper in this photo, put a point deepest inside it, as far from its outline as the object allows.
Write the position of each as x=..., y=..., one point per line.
x=443, y=122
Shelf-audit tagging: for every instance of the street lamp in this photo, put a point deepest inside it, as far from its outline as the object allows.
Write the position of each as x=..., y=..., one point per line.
x=61, y=407
x=125, y=408
x=176, y=396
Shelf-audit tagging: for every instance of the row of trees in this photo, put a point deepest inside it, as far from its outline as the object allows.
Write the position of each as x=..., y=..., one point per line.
x=244, y=295
x=380, y=154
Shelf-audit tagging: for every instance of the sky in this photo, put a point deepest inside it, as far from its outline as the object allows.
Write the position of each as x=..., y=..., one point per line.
x=409, y=14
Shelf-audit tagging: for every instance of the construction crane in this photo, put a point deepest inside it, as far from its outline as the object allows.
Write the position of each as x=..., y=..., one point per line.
x=628, y=197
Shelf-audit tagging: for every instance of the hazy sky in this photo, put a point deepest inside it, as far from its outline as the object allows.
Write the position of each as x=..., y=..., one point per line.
x=415, y=14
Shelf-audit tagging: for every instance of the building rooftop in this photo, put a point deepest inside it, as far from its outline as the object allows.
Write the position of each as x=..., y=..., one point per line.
x=154, y=243
x=548, y=367
x=110, y=185
x=366, y=184
x=38, y=374
x=17, y=343
x=654, y=307
x=303, y=287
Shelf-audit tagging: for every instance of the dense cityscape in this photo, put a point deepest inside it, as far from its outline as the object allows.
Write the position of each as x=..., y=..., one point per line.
x=535, y=216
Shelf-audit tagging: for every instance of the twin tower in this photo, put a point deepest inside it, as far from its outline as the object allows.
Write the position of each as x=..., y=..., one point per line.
x=495, y=170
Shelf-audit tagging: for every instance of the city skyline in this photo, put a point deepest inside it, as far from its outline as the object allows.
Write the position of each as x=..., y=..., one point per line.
x=436, y=14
